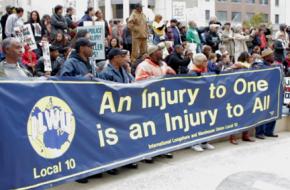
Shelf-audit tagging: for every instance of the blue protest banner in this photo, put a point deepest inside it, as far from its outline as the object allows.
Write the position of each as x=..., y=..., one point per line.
x=54, y=132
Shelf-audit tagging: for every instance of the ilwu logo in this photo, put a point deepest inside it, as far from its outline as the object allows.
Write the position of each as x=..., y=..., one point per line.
x=51, y=127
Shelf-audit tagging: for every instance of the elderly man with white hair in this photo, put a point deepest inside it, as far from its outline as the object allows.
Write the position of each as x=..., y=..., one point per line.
x=199, y=64
x=197, y=68
x=10, y=66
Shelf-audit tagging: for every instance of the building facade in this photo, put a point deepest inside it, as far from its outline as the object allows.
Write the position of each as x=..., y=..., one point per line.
x=237, y=11
x=280, y=12
x=183, y=10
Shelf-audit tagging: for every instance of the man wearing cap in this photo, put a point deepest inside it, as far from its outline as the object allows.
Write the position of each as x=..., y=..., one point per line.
x=78, y=64
x=268, y=128
x=137, y=24
x=56, y=63
x=153, y=66
x=115, y=70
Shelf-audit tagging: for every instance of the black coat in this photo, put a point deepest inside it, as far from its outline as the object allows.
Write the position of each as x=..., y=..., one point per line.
x=279, y=51
x=3, y=23
x=177, y=63
x=213, y=40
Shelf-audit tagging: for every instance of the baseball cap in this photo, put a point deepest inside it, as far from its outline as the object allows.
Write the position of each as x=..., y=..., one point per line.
x=84, y=42
x=115, y=52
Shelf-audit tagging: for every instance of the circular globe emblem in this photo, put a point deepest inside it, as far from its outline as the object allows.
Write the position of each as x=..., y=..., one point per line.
x=51, y=127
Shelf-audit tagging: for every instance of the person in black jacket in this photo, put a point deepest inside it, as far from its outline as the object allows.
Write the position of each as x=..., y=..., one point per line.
x=280, y=48
x=176, y=60
x=78, y=65
x=4, y=19
x=212, y=38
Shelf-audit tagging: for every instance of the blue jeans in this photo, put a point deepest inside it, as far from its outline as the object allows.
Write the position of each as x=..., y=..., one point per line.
x=266, y=129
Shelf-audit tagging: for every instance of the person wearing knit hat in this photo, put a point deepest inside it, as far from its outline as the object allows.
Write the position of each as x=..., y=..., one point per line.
x=152, y=48
x=151, y=67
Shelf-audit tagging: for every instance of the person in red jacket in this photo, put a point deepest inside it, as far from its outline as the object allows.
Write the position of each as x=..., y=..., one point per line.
x=29, y=59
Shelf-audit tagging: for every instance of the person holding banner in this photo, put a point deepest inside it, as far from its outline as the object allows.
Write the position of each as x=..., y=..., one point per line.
x=115, y=70
x=78, y=65
x=137, y=24
x=14, y=20
x=151, y=67
x=200, y=66
x=266, y=130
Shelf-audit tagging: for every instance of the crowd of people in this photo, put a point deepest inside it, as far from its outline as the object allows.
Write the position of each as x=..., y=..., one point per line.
x=140, y=50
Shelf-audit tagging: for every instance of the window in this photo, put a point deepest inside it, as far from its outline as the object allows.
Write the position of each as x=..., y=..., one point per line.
x=222, y=16
x=236, y=17
x=277, y=3
x=236, y=1
x=276, y=19
x=264, y=2
x=207, y=15
x=250, y=15
x=251, y=1
x=266, y=17
x=222, y=1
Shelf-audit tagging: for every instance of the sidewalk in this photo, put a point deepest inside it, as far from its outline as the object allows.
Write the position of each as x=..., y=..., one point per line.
x=263, y=165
